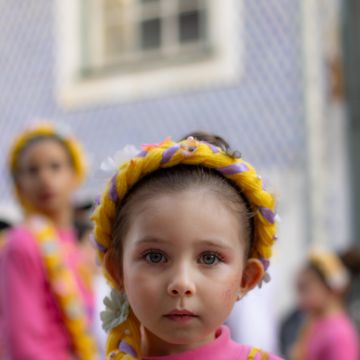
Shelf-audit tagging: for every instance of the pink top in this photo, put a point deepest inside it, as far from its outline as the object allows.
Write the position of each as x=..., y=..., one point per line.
x=32, y=321
x=333, y=338
x=222, y=348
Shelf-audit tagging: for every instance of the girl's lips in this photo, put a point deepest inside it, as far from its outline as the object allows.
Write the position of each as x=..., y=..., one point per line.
x=181, y=312
x=46, y=196
x=180, y=316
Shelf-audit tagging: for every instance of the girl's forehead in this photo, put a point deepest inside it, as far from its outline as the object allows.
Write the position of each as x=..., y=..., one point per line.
x=42, y=148
x=186, y=217
x=199, y=200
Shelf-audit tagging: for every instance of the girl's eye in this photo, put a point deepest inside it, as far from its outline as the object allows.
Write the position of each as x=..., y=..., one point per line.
x=155, y=257
x=209, y=259
x=31, y=170
x=55, y=166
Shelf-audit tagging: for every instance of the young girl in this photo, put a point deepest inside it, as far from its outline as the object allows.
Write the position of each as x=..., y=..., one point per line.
x=46, y=306
x=184, y=230
x=328, y=332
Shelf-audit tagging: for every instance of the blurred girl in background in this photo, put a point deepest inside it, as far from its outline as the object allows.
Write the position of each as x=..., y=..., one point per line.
x=47, y=305
x=327, y=333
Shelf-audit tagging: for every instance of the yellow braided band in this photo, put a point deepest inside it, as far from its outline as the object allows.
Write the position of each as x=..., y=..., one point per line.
x=170, y=154
x=47, y=130
x=190, y=152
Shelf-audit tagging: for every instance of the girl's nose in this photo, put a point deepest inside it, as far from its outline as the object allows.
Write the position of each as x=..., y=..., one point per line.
x=181, y=284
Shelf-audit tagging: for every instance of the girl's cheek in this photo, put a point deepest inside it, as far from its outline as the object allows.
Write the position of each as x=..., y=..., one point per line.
x=228, y=296
x=231, y=289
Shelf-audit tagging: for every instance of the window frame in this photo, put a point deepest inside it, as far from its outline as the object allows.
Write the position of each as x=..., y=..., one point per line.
x=217, y=65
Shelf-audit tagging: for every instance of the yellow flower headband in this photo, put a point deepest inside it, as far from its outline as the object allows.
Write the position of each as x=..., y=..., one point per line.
x=48, y=130
x=331, y=267
x=124, y=338
x=190, y=152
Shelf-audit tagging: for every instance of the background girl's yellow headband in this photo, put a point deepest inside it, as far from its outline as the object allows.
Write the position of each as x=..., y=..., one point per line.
x=48, y=130
x=331, y=267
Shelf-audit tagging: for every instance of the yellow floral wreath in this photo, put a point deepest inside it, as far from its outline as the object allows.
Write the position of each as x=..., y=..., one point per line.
x=45, y=129
x=124, y=340
x=64, y=287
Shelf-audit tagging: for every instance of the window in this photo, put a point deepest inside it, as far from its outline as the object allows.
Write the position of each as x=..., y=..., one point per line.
x=114, y=44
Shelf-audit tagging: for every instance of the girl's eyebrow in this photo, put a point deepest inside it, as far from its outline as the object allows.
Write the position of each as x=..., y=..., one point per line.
x=150, y=239
x=214, y=243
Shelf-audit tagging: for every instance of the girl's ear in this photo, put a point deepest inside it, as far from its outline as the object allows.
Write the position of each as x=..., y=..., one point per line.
x=113, y=269
x=252, y=274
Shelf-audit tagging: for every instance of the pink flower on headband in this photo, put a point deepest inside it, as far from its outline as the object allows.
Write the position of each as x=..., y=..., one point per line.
x=188, y=146
x=147, y=147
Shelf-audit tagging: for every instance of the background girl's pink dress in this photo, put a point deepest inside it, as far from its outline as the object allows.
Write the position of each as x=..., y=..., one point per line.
x=333, y=338
x=31, y=318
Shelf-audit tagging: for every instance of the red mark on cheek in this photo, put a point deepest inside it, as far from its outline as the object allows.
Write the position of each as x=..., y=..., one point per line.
x=229, y=293
x=228, y=296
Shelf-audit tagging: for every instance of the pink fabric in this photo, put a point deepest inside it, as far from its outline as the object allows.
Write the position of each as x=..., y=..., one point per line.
x=32, y=321
x=333, y=338
x=222, y=348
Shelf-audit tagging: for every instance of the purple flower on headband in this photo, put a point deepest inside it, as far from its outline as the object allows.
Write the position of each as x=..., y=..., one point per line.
x=265, y=262
x=268, y=214
x=168, y=153
x=213, y=148
x=97, y=245
x=113, y=192
x=97, y=200
x=142, y=153
x=233, y=169
x=127, y=349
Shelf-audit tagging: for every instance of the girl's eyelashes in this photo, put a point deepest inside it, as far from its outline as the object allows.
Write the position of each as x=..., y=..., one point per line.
x=154, y=257
x=210, y=258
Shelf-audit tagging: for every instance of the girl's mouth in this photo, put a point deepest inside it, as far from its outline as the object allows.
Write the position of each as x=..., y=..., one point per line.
x=180, y=316
x=46, y=196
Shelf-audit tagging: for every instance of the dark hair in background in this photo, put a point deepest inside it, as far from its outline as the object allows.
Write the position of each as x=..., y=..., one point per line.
x=5, y=225
x=81, y=229
x=351, y=259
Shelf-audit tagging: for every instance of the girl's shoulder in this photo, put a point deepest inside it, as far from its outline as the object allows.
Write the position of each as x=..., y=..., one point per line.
x=20, y=239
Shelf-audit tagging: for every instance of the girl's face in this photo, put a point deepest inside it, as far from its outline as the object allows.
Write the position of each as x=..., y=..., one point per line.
x=184, y=267
x=46, y=178
x=313, y=294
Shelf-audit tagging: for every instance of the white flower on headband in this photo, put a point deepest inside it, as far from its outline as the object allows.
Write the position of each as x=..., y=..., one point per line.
x=266, y=279
x=112, y=163
x=63, y=130
x=116, y=310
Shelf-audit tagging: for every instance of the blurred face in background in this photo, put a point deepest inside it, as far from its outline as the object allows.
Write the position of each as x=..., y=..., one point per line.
x=46, y=177
x=313, y=293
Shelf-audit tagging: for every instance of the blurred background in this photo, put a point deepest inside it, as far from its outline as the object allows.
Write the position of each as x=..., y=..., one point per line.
x=279, y=79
